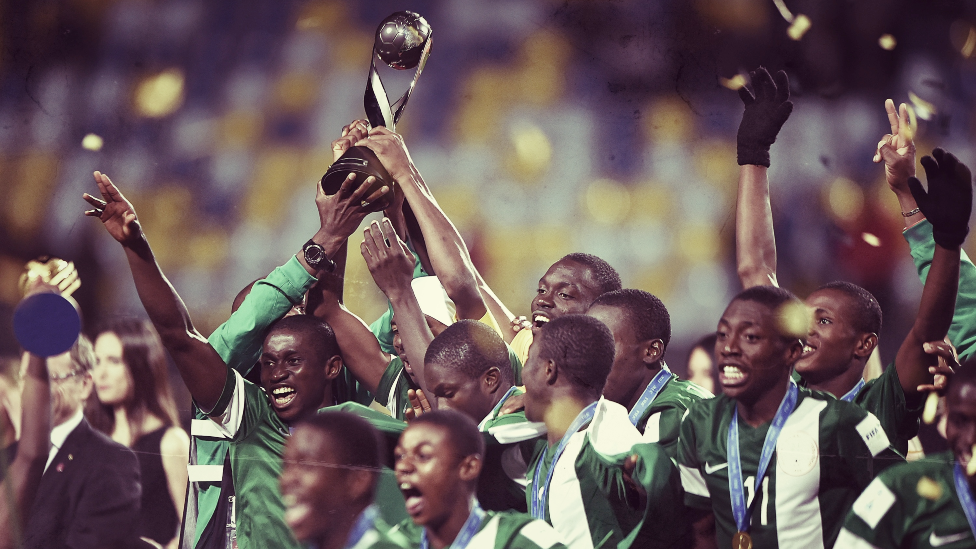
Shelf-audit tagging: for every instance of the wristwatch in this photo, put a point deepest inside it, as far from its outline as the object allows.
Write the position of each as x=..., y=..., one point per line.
x=316, y=257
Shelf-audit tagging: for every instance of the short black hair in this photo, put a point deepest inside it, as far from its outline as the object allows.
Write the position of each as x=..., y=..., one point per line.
x=606, y=276
x=471, y=348
x=464, y=434
x=645, y=313
x=323, y=337
x=773, y=298
x=582, y=347
x=865, y=310
x=356, y=443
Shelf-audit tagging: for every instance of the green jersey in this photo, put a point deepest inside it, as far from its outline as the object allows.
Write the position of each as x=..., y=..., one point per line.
x=587, y=500
x=827, y=452
x=912, y=505
x=962, y=331
x=257, y=439
x=885, y=398
x=510, y=440
x=661, y=421
x=498, y=530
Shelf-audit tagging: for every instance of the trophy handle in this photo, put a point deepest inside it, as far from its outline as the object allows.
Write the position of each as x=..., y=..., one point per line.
x=379, y=111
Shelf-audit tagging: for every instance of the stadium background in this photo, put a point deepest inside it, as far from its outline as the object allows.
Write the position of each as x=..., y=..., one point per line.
x=543, y=127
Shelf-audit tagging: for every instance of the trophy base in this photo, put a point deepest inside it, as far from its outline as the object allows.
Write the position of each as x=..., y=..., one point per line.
x=362, y=162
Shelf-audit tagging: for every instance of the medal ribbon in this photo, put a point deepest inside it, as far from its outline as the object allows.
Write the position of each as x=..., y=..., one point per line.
x=852, y=394
x=363, y=524
x=740, y=510
x=650, y=393
x=965, y=496
x=540, y=490
x=467, y=532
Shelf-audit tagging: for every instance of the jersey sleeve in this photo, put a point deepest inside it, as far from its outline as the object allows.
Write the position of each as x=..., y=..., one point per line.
x=391, y=392
x=689, y=466
x=885, y=398
x=536, y=534
x=240, y=408
x=864, y=444
x=663, y=428
x=238, y=340
x=876, y=520
x=665, y=521
x=962, y=331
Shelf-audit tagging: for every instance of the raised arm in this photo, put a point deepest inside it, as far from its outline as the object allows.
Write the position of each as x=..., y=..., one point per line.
x=766, y=111
x=391, y=264
x=947, y=205
x=448, y=254
x=201, y=367
x=24, y=474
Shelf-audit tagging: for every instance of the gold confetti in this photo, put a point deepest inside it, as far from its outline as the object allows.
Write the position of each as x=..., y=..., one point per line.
x=783, y=10
x=971, y=466
x=929, y=489
x=92, y=142
x=931, y=407
x=923, y=108
x=887, y=42
x=801, y=24
x=160, y=95
x=871, y=239
x=970, y=45
x=793, y=319
x=734, y=83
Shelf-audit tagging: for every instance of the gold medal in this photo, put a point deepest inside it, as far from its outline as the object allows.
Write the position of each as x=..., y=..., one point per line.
x=741, y=540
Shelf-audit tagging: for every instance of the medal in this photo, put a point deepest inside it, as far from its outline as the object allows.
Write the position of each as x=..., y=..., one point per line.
x=741, y=540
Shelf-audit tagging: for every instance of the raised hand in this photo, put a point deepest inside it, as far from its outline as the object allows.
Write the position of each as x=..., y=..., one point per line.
x=419, y=405
x=351, y=134
x=342, y=213
x=116, y=213
x=949, y=200
x=766, y=110
x=391, y=151
x=897, y=149
x=948, y=363
x=388, y=258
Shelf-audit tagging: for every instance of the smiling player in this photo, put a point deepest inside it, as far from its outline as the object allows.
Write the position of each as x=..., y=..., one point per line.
x=927, y=503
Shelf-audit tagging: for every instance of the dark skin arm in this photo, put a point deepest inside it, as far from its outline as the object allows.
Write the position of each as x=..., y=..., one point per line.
x=200, y=366
x=25, y=472
x=392, y=269
x=448, y=253
x=755, y=243
x=947, y=204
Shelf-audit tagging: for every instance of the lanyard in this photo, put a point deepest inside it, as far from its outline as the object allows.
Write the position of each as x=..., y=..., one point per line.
x=494, y=411
x=467, y=532
x=739, y=508
x=965, y=496
x=363, y=524
x=852, y=394
x=650, y=393
x=540, y=490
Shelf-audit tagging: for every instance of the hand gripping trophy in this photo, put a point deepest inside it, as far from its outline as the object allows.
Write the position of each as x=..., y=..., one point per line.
x=402, y=42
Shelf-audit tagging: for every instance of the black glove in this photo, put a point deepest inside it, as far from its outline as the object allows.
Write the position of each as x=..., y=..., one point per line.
x=949, y=202
x=765, y=114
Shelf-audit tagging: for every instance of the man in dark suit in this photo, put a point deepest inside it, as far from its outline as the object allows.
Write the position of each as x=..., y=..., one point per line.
x=89, y=494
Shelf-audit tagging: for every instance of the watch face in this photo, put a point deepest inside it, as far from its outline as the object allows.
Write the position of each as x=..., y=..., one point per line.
x=314, y=254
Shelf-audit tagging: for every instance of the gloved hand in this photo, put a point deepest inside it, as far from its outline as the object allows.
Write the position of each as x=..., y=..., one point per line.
x=949, y=201
x=765, y=114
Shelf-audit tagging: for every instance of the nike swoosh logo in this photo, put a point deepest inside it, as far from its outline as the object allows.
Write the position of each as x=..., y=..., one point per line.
x=939, y=541
x=710, y=469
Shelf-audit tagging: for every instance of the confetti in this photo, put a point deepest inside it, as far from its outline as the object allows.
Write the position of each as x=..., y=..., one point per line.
x=929, y=489
x=92, y=142
x=887, y=42
x=971, y=466
x=923, y=108
x=871, y=239
x=931, y=407
x=799, y=27
x=734, y=83
x=970, y=45
x=783, y=10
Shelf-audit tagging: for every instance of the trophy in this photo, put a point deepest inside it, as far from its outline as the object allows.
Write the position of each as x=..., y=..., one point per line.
x=402, y=42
